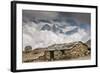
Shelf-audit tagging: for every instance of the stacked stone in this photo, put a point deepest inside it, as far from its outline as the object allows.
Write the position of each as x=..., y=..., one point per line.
x=79, y=50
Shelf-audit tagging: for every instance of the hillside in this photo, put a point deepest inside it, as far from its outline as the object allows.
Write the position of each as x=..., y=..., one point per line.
x=88, y=43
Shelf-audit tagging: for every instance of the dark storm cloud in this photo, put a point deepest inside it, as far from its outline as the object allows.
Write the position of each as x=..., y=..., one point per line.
x=81, y=17
x=31, y=15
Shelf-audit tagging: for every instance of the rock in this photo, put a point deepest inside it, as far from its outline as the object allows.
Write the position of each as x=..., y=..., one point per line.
x=28, y=49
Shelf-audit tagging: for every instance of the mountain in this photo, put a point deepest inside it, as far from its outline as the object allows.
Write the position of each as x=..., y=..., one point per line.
x=46, y=27
x=89, y=43
x=59, y=28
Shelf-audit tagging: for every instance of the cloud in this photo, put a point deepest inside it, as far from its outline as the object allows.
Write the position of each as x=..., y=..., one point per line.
x=37, y=38
x=80, y=35
x=29, y=15
x=40, y=39
x=73, y=27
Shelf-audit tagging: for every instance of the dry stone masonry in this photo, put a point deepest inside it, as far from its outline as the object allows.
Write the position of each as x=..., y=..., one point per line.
x=65, y=51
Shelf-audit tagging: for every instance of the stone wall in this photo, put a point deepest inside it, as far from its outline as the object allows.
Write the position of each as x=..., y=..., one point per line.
x=76, y=51
x=79, y=50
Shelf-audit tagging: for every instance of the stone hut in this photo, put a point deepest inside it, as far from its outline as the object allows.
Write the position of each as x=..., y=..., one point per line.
x=54, y=52
x=66, y=51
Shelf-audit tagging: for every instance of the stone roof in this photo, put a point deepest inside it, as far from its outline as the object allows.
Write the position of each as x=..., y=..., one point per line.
x=61, y=46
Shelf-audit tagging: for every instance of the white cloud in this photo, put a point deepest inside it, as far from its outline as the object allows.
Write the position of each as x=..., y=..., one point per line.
x=80, y=35
x=34, y=37
x=41, y=39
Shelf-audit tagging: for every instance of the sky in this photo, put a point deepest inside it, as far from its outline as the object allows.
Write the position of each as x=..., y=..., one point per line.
x=44, y=28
